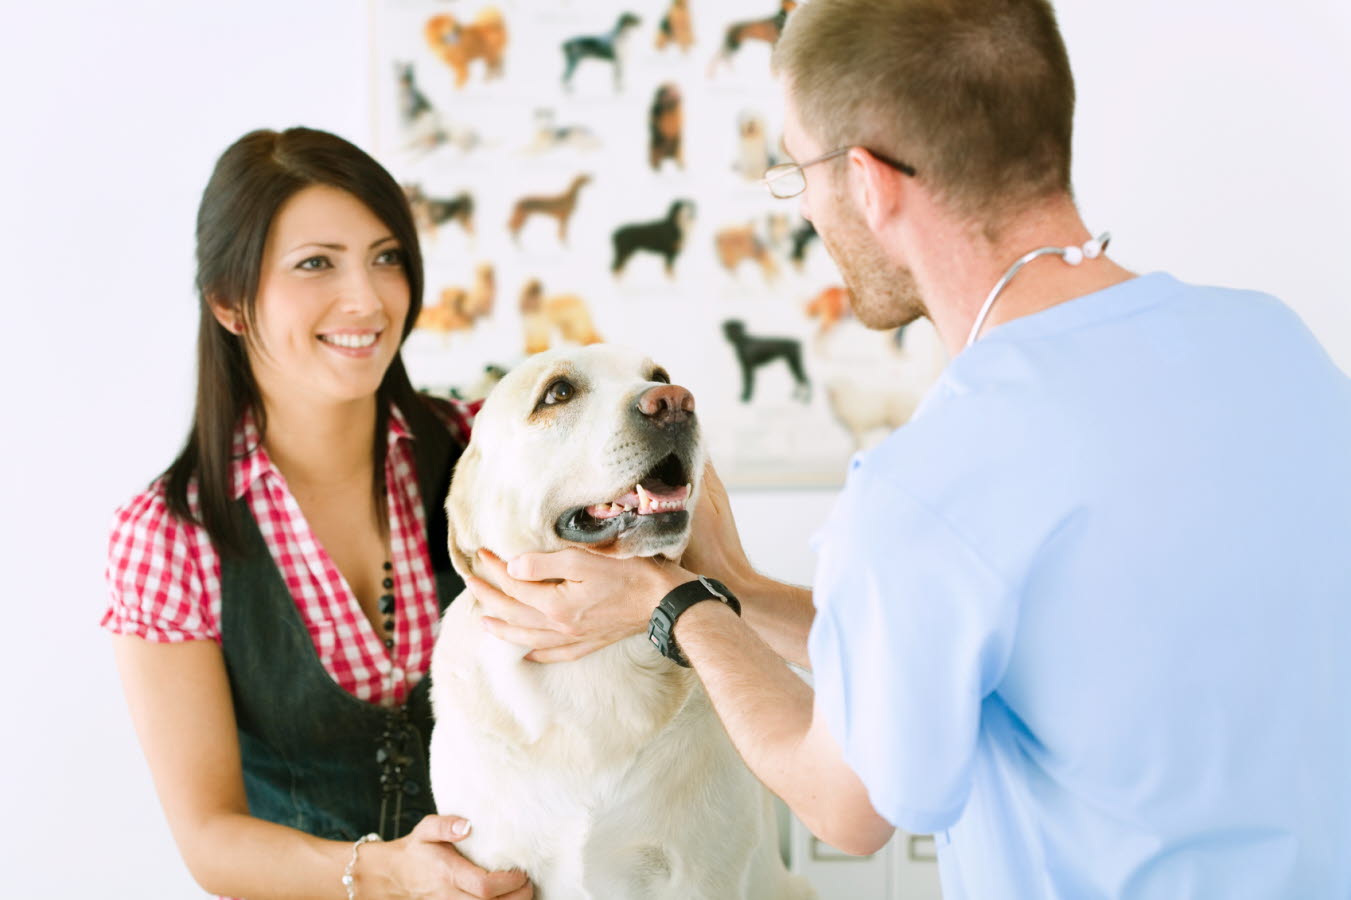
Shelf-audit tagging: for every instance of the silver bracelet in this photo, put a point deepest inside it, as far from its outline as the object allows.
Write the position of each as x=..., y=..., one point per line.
x=348, y=880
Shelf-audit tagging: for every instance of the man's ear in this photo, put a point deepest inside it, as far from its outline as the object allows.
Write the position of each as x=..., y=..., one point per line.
x=878, y=189
x=461, y=536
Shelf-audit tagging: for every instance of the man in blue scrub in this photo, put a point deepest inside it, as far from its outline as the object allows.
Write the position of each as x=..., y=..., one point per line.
x=1086, y=617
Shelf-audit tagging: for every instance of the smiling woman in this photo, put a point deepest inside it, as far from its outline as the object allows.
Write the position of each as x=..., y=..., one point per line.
x=275, y=593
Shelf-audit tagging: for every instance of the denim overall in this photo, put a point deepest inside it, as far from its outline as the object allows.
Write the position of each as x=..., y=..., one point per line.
x=315, y=757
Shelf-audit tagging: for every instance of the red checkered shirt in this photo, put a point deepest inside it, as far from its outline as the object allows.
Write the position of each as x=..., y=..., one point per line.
x=164, y=574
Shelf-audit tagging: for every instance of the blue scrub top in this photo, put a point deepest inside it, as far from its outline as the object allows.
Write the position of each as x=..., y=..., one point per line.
x=1087, y=617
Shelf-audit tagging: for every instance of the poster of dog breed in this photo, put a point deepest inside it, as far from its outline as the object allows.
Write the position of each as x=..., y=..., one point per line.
x=607, y=47
x=609, y=776
x=460, y=43
x=664, y=237
x=559, y=206
x=614, y=185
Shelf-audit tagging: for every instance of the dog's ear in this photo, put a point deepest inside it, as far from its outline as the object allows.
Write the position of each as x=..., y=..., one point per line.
x=461, y=536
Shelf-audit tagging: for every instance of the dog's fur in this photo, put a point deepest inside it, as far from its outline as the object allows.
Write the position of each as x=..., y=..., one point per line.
x=737, y=243
x=560, y=206
x=676, y=27
x=610, y=777
x=767, y=29
x=830, y=306
x=865, y=407
x=564, y=314
x=752, y=352
x=549, y=136
x=753, y=155
x=665, y=237
x=459, y=308
x=665, y=124
x=605, y=47
x=803, y=235
x=432, y=212
x=460, y=44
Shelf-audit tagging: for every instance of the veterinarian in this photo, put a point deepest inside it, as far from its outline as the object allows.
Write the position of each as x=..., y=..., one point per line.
x=1085, y=617
x=274, y=593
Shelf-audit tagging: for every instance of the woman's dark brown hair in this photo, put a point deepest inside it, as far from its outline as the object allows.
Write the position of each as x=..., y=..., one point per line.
x=251, y=182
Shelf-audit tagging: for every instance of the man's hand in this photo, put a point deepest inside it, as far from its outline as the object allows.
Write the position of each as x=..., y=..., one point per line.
x=567, y=604
x=715, y=547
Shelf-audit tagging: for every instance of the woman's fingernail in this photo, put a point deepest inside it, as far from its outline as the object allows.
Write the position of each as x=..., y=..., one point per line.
x=514, y=568
x=460, y=828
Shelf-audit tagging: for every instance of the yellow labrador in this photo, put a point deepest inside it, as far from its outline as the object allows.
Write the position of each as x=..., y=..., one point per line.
x=607, y=778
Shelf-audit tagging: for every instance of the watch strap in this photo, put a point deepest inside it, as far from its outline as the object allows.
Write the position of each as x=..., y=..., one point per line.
x=661, y=627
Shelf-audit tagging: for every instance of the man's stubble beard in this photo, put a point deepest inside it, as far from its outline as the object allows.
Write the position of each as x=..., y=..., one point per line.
x=882, y=294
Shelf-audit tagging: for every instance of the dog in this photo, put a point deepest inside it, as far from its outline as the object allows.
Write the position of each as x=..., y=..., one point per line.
x=604, y=47
x=830, y=306
x=560, y=206
x=609, y=776
x=676, y=27
x=665, y=123
x=565, y=315
x=549, y=136
x=432, y=212
x=803, y=235
x=665, y=237
x=458, y=45
x=865, y=407
x=423, y=128
x=459, y=308
x=753, y=352
x=753, y=155
x=767, y=30
x=738, y=243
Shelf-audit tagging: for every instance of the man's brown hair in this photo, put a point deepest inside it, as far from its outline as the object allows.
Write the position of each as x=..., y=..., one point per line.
x=977, y=95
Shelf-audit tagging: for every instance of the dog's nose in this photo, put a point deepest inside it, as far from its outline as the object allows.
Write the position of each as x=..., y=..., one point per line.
x=666, y=404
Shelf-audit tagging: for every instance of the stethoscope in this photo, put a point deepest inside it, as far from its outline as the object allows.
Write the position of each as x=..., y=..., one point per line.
x=1091, y=249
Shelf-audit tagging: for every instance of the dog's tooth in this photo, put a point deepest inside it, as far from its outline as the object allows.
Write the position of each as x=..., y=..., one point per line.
x=642, y=497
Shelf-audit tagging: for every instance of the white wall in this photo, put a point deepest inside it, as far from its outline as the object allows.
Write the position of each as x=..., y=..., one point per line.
x=1212, y=140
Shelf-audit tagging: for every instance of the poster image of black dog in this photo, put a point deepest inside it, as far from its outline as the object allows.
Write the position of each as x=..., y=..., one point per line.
x=754, y=351
x=665, y=237
x=605, y=47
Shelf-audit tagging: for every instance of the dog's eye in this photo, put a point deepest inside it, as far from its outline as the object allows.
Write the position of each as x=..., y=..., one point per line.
x=660, y=375
x=560, y=391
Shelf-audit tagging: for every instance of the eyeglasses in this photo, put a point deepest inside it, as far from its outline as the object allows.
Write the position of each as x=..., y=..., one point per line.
x=786, y=179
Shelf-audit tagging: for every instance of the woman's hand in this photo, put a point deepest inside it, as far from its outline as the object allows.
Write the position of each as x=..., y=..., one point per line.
x=567, y=604
x=424, y=865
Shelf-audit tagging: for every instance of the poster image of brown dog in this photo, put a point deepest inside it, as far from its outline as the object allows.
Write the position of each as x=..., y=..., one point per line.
x=753, y=351
x=560, y=206
x=767, y=29
x=665, y=123
x=604, y=47
x=458, y=44
x=737, y=243
x=430, y=213
x=458, y=307
x=676, y=27
x=665, y=237
x=563, y=315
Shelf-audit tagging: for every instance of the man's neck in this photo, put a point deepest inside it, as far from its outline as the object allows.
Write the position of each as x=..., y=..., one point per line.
x=956, y=267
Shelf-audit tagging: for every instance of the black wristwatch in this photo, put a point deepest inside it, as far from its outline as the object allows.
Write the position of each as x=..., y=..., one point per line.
x=661, y=627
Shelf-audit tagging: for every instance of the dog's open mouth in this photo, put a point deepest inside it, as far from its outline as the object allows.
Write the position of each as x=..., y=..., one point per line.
x=662, y=493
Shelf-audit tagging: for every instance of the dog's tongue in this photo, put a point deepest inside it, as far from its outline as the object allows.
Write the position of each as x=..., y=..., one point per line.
x=652, y=496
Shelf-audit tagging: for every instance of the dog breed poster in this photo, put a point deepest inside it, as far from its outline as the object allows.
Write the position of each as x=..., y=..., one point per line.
x=585, y=172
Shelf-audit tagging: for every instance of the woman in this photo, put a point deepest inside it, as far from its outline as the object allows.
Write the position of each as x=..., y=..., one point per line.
x=274, y=593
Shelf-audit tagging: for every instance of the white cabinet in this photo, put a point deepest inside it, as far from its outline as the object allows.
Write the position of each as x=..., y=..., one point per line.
x=905, y=869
